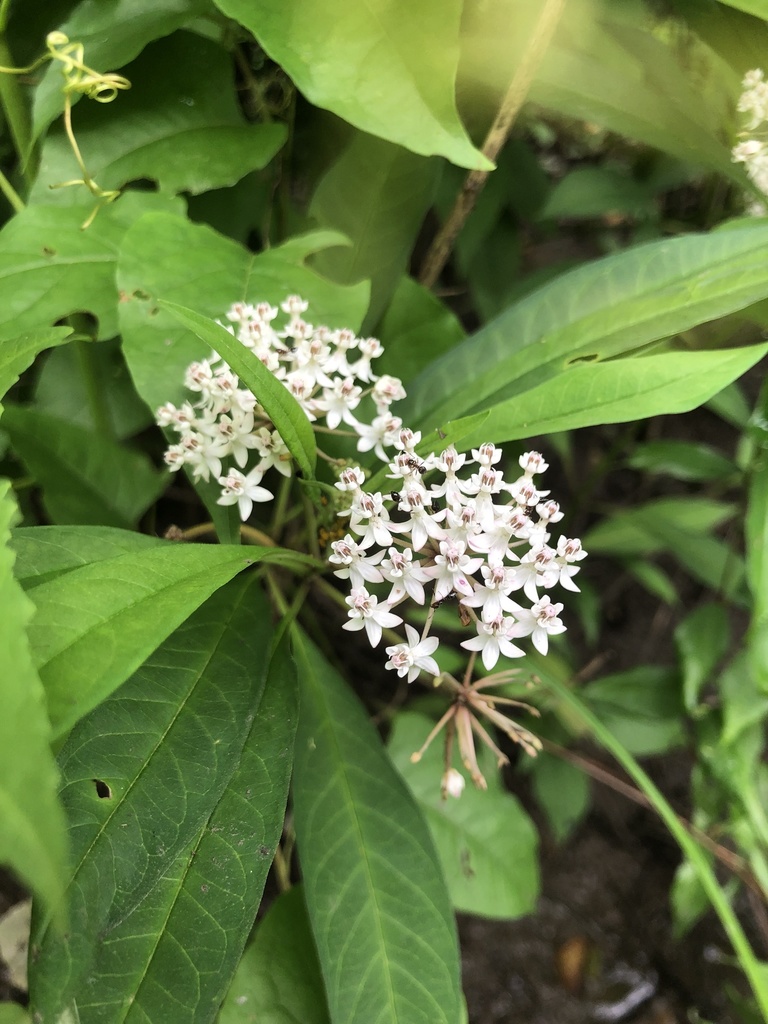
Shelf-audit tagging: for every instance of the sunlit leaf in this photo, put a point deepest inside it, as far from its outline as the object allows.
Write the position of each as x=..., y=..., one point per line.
x=95, y=625
x=44, y=552
x=389, y=69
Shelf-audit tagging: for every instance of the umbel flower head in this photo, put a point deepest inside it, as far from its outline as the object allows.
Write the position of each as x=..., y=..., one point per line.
x=451, y=525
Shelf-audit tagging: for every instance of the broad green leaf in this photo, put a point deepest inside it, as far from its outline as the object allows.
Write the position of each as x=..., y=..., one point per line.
x=213, y=273
x=588, y=192
x=33, y=838
x=655, y=580
x=177, y=126
x=617, y=391
x=50, y=268
x=389, y=69
x=731, y=405
x=563, y=792
x=17, y=353
x=278, y=980
x=86, y=477
x=44, y=552
x=377, y=195
x=614, y=65
x=112, y=33
x=744, y=705
x=757, y=7
x=599, y=311
x=641, y=707
x=627, y=533
x=684, y=460
x=90, y=385
x=702, y=639
x=486, y=842
x=416, y=328
x=379, y=909
x=279, y=404
x=95, y=625
x=12, y=1013
x=173, y=839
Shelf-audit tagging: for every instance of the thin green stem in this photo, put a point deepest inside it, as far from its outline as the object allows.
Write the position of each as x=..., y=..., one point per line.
x=11, y=194
x=278, y=514
x=754, y=970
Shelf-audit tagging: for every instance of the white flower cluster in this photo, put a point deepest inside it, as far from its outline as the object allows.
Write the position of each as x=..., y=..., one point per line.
x=327, y=372
x=471, y=536
x=752, y=151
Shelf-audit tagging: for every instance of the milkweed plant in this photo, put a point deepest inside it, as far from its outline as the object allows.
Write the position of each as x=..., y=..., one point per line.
x=307, y=428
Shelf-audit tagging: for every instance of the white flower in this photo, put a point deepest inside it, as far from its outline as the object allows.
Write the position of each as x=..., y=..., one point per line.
x=541, y=622
x=452, y=784
x=365, y=613
x=243, y=490
x=451, y=569
x=406, y=576
x=370, y=518
x=272, y=450
x=414, y=656
x=358, y=565
x=492, y=595
x=493, y=639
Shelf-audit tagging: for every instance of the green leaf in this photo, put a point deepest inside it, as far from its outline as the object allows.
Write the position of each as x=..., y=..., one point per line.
x=278, y=980
x=112, y=33
x=619, y=66
x=214, y=273
x=599, y=311
x=702, y=639
x=655, y=580
x=416, y=329
x=628, y=533
x=44, y=552
x=95, y=625
x=12, y=1013
x=683, y=460
x=90, y=385
x=756, y=538
x=389, y=70
x=757, y=7
x=86, y=477
x=51, y=268
x=641, y=708
x=17, y=353
x=588, y=192
x=380, y=913
x=617, y=392
x=486, y=842
x=177, y=126
x=33, y=839
x=173, y=839
x=381, y=219
x=279, y=404
x=563, y=792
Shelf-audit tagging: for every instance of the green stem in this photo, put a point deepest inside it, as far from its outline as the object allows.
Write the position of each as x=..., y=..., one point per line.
x=754, y=970
x=14, y=105
x=11, y=194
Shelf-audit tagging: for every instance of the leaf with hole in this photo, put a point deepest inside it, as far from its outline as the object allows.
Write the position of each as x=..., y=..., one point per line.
x=173, y=839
